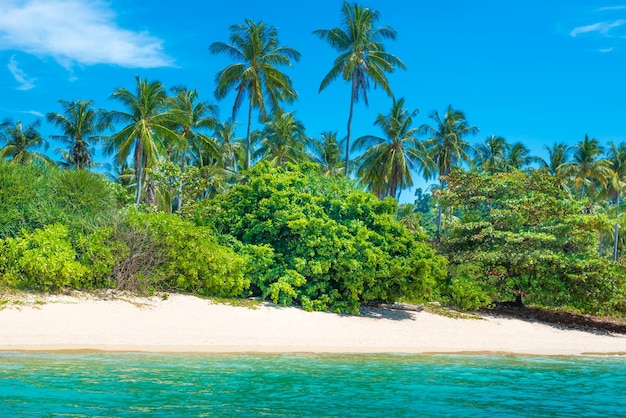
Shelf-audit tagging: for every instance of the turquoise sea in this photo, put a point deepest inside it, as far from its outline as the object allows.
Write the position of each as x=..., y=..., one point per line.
x=112, y=384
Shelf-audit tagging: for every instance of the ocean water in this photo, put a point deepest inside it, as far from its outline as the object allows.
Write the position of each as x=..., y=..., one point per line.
x=113, y=384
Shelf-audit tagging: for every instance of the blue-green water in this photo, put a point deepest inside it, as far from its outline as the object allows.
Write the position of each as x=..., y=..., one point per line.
x=39, y=384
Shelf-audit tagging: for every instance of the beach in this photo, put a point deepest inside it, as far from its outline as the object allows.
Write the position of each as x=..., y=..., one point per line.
x=188, y=324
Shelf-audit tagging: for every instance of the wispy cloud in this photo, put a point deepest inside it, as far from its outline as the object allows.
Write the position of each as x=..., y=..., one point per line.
x=76, y=32
x=605, y=50
x=26, y=83
x=604, y=9
x=601, y=27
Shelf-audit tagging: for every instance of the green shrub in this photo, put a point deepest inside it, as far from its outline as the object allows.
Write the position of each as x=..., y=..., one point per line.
x=333, y=246
x=193, y=261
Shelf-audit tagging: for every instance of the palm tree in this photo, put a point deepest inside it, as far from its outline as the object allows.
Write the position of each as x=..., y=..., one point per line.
x=617, y=158
x=446, y=146
x=18, y=140
x=558, y=156
x=387, y=163
x=490, y=156
x=362, y=57
x=282, y=140
x=587, y=166
x=146, y=119
x=326, y=153
x=191, y=117
x=81, y=126
x=257, y=53
x=224, y=135
x=518, y=157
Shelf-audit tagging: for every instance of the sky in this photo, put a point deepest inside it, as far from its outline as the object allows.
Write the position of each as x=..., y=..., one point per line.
x=533, y=71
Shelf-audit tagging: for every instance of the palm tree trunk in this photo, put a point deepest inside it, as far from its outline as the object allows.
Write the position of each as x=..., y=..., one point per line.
x=248, y=138
x=616, y=231
x=352, y=100
x=439, y=213
x=138, y=170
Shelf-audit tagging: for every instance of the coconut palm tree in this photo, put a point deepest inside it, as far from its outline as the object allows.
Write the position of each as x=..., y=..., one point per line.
x=82, y=126
x=490, y=156
x=224, y=134
x=558, y=155
x=587, y=166
x=518, y=157
x=446, y=146
x=257, y=53
x=326, y=152
x=617, y=158
x=387, y=164
x=362, y=57
x=282, y=140
x=19, y=140
x=146, y=120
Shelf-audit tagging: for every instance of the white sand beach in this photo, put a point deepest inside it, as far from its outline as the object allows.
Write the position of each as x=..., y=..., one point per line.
x=187, y=324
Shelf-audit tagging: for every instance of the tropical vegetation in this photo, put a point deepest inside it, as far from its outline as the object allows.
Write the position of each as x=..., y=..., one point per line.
x=189, y=206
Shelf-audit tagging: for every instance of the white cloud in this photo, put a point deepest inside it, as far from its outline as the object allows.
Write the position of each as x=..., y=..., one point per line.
x=602, y=27
x=605, y=50
x=604, y=9
x=26, y=83
x=76, y=32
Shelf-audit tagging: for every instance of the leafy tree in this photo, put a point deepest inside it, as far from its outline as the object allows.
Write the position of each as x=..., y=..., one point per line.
x=527, y=240
x=446, y=146
x=257, y=52
x=146, y=118
x=18, y=141
x=82, y=126
x=387, y=164
x=322, y=242
x=362, y=57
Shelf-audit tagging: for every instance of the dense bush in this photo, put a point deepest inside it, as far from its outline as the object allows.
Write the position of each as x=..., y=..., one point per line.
x=325, y=244
x=185, y=257
x=32, y=196
x=526, y=240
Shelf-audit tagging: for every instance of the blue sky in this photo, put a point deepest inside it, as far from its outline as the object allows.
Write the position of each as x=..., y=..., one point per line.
x=533, y=71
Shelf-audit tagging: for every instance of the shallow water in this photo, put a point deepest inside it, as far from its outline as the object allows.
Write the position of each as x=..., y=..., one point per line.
x=45, y=384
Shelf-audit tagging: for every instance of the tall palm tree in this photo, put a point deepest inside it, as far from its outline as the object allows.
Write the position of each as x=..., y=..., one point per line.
x=147, y=118
x=490, y=155
x=446, y=145
x=192, y=118
x=283, y=139
x=387, y=163
x=81, y=125
x=326, y=153
x=362, y=57
x=19, y=140
x=587, y=166
x=257, y=53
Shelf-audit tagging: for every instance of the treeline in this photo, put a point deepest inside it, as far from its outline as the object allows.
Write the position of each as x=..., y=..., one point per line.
x=281, y=215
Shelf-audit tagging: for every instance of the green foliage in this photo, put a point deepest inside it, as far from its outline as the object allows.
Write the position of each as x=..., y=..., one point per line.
x=527, y=238
x=32, y=196
x=42, y=260
x=191, y=258
x=326, y=244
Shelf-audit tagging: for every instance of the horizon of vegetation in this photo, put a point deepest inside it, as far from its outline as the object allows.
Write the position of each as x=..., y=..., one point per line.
x=510, y=225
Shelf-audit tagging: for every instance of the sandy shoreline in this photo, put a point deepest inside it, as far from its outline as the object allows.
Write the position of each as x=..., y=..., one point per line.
x=186, y=324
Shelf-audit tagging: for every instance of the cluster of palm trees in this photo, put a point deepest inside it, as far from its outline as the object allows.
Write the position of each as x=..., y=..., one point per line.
x=156, y=127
